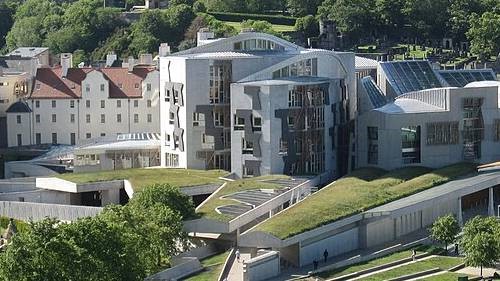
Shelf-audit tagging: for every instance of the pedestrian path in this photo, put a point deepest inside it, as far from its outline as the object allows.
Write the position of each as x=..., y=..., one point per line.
x=294, y=273
x=236, y=271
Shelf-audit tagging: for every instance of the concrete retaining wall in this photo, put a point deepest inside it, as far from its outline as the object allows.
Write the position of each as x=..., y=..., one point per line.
x=262, y=267
x=38, y=211
x=188, y=267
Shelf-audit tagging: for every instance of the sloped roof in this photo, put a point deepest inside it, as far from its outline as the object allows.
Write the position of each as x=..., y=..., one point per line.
x=19, y=107
x=50, y=84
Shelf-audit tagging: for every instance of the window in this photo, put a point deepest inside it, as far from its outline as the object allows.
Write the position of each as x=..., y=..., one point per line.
x=87, y=103
x=171, y=119
x=87, y=88
x=19, y=139
x=136, y=103
x=198, y=119
x=150, y=118
x=136, y=85
x=54, y=118
x=38, y=138
x=54, y=104
x=136, y=118
x=247, y=146
x=149, y=103
x=37, y=118
x=118, y=118
x=87, y=118
x=410, y=144
x=257, y=124
x=72, y=104
x=102, y=87
x=72, y=138
x=88, y=135
x=118, y=103
x=103, y=118
x=442, y=133
x=373, y=145
x=18, y=118
x=148, y=87
x=103, y=103
x=54, y=138
x=72, y=118
x=37, y=104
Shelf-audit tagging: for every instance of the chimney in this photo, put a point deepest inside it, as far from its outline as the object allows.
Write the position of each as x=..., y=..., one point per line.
x=131, y=64
x=203, y=35
x=146, y=59
x=66, y=63
x=164, y=50
x=110, y=59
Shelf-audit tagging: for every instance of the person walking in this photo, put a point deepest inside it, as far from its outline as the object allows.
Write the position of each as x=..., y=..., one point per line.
x=238, y=255
x=315, y=264
x=325, y=254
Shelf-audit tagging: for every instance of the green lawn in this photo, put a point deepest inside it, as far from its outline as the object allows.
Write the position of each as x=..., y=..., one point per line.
x=376, y=262
x=213, y=266
x=140, y=178
x=208, y=208
x=444, y=263
x=276, y=27
x=356, y=193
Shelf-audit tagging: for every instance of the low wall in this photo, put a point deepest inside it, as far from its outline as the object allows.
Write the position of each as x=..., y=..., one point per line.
x=37, y=211
x=188, y=267
x=262, y=267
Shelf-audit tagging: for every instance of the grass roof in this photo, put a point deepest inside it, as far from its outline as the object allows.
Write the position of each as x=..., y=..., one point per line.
x=207, y=210
x=140, y=178
x=359, y=191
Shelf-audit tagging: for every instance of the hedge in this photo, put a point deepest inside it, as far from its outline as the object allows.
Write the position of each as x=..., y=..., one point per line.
x=239, y=17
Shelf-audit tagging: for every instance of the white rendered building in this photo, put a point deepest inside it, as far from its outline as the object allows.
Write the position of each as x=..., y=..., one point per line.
x=69, y=105
x=227, y=105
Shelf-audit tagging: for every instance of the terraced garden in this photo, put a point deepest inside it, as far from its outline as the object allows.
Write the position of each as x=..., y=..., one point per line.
x=359, y=191
x=208, y=209
x=140, y=178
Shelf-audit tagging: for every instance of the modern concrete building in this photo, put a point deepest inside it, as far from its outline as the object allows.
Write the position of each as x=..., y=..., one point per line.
x=255, y=104
x=68, y=104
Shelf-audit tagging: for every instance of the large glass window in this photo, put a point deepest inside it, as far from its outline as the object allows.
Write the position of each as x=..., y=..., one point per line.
x=308, y=67
x=410, y=144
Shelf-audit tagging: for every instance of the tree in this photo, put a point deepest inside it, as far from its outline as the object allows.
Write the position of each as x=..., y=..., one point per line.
x=444, y=230
x=480, y=242
x=308, y=25
x=357, y=18
x=165, y=195
x=484, y=35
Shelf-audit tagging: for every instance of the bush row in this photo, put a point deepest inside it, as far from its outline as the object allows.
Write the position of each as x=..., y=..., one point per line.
x=239, y=17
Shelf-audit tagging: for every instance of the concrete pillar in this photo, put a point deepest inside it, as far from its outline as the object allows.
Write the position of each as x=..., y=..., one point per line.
x=459, y=213
x=491, y=207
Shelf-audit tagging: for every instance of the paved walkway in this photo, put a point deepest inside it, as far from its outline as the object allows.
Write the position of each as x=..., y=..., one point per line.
x=236, y=271
x=294, y=273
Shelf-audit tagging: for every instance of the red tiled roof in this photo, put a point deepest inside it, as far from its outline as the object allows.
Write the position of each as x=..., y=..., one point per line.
x=118, y=76
x=53, y=86
x=50, y=85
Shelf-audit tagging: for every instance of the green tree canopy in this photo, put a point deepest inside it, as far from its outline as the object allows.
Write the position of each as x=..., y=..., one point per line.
x=444, y=230
x=484, y=35
x=480, y=241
